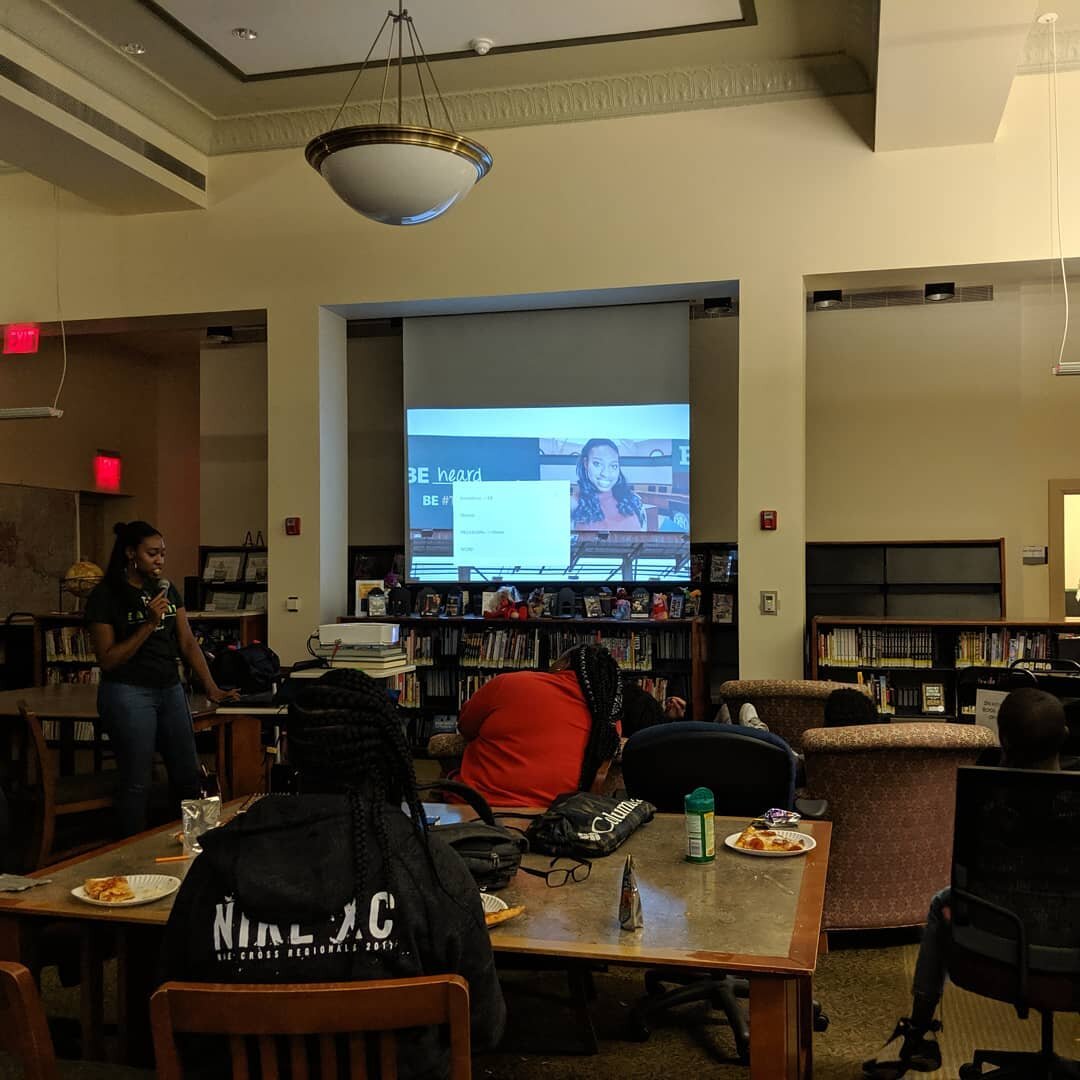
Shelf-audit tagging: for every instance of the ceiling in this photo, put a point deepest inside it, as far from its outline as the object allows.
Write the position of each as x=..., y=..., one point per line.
x=190, y=46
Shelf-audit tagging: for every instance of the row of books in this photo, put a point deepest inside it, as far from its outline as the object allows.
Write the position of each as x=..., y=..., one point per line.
x=854, y=646
x=655, y=685
x=67, y=643
x=425, y=646
x=1000, y=648
x=889, y=697
x=407, y=687
x=515, y=647
x=83, y=730
x=55, y=676
x=632, y=650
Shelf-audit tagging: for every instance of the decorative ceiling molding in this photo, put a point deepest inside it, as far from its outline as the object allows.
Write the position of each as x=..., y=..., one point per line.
x=1036, y=57
x=563, y=102
x=81, y=50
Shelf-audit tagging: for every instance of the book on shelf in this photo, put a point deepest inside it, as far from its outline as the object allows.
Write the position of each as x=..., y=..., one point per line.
x=697, y=566
x=722, y=566
x=723, y=608
x=859, y=646
x=68, y=643
x=223, y=567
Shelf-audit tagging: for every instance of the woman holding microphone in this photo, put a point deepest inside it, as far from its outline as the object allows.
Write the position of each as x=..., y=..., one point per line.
x=139, y=630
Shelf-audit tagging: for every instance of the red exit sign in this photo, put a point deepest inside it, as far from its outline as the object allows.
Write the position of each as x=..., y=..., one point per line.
x=21, y=338
x=107, y=470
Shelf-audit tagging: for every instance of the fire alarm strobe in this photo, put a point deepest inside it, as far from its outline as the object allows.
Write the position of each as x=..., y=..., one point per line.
x=768, y=519
x=292, y=526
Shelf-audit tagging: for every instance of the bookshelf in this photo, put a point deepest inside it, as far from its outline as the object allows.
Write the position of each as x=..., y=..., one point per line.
x=62, y=650
x=232, y=579
x=455, y=655
x=897, y=657
x=910, y=579
x=213, y=629
x=714, y=570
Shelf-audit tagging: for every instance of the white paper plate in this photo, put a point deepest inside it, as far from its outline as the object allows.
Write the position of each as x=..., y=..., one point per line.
x=807, y=841
x=492, y=903
x=146, y=887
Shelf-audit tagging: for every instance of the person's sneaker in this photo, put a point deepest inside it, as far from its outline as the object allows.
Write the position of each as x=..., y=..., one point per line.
x=917, y=1052
x=748, y=717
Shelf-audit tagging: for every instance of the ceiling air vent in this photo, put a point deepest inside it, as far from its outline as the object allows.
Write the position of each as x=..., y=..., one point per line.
x=908, y=296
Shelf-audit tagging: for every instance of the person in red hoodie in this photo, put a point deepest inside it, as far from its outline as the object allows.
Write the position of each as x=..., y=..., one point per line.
x=533, y=735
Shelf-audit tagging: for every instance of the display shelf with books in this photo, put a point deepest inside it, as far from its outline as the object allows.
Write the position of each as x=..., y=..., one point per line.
x=62, y=650
x=713, y=592
x=455, y=655
x=933, y=669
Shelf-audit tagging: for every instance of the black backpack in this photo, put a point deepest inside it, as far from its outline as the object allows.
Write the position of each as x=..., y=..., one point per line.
x=251, y=669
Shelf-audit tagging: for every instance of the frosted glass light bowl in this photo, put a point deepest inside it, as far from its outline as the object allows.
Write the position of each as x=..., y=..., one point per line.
x=396, y=174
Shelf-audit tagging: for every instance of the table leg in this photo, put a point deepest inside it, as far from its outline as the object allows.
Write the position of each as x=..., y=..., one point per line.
x=245, y=755
x=16, y=944
x=776, y=1048
x=137, y=960
x=92, y=993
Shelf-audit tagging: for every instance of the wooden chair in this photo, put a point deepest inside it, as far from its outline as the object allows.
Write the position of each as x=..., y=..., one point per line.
x=39, y=797
x=23, y=1031
x=279, y=1018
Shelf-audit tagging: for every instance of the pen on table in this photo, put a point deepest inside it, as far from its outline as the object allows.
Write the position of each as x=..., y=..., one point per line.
x=172, y=858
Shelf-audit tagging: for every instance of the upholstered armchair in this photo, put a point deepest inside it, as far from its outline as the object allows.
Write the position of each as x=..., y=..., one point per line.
x=891, y=790
x=788, y=706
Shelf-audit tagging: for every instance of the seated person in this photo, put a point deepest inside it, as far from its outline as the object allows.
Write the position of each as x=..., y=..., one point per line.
x=1031, y=729
x=337, y=883
x=533, y=735
x=642, y=710
x=848, y=708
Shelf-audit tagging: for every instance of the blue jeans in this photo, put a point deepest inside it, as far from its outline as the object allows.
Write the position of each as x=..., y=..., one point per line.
x=933, y=961
x=138, y=720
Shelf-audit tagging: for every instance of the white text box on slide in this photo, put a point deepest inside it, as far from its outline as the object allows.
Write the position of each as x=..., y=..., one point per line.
x=512, y=523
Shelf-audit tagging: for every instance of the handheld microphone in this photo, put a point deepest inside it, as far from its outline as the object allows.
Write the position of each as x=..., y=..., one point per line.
x=163, y=585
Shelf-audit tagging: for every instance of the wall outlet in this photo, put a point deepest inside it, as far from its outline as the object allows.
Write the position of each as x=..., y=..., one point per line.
x=769, y=602
x=292, y=603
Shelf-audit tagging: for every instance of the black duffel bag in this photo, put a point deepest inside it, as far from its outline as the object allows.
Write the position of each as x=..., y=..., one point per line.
x=492, y=852
x=251, y=669
x=586, y=825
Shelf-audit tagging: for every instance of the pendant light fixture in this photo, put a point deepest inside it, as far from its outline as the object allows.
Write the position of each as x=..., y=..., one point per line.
x=396, y=173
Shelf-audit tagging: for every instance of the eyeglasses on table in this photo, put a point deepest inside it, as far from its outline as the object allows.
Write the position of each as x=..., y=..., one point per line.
x=560, y=875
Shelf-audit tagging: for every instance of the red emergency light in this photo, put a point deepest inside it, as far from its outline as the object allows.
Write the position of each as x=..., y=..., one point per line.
x=107, y=470
x=21, y=338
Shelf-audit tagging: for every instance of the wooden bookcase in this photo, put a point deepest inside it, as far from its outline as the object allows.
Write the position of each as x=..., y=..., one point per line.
x=231, y=627
x=898, y=656
x=455, y=655
x=248, y=590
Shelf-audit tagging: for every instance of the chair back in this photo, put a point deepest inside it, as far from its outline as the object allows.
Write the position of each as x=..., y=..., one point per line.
x=1016, y=886
x=891, y=793
x=746, y=770
x=270, y=1027
x=789, y=706
x=31, y=792
x=23, y=1031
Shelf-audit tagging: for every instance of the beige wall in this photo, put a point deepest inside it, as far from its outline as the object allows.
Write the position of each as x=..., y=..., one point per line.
x=232, y=443
x=112, y=400
x=941, y=422
x=762, y=194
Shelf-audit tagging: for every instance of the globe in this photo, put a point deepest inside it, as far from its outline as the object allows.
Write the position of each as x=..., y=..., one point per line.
x=81, y=577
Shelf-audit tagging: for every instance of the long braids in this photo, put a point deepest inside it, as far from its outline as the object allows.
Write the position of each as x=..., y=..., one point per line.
x=601, y=682
x=345, y=735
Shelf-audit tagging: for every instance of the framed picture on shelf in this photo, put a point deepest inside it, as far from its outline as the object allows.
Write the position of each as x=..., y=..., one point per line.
x=223, y=567
x=592, y=606
x=256, y=566
x=223, y=600
x=362, y=590
x=256, y=601
x=723, y=607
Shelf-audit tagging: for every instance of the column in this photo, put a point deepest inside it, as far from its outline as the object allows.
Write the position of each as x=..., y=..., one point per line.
x=772, y=472
x=307, y=459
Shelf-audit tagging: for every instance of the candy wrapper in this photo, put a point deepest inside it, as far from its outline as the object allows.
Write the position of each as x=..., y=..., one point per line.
x=630, y=914
x=198, y=816
x=777, y=819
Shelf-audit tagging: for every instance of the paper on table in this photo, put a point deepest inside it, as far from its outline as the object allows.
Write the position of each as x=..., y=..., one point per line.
x=14, y=883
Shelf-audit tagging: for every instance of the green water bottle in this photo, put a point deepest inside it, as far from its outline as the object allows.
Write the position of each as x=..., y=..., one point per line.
x=700, y=832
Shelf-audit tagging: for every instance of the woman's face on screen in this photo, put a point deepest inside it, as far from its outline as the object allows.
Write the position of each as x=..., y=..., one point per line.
x=602, y=467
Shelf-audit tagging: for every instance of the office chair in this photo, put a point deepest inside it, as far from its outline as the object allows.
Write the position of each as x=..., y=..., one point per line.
x=1016, y=905
x=747, y=771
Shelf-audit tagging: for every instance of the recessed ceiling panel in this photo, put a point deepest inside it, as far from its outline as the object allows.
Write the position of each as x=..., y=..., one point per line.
x=293, y=37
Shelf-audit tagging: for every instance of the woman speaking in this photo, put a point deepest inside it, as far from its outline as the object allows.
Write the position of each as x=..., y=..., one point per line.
x=139, y=630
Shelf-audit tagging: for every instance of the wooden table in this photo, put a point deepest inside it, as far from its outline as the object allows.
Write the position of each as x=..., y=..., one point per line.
x=754, y=916
x=238, y=755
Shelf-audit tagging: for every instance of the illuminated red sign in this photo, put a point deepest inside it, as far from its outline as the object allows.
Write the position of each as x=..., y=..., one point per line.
x=21, y=338
x=107, y=469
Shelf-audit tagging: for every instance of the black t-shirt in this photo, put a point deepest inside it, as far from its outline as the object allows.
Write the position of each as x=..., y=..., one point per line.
x=123, y=608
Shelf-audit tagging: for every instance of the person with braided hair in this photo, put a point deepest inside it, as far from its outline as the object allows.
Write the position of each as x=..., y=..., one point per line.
x=533, y=735
x=342, y=881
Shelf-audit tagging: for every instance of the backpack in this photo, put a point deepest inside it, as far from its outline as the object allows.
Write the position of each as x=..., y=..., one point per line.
x=251, y=669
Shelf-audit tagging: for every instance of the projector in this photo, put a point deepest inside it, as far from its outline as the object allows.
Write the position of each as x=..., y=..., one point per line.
x=352, y=634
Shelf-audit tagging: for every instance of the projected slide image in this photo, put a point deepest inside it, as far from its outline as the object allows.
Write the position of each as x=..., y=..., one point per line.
x=582, y=493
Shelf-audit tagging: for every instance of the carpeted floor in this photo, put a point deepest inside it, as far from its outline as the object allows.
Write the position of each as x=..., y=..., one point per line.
x=863, y=989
